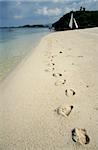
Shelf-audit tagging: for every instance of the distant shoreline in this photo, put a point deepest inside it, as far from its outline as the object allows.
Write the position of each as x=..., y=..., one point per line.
x=28, y=26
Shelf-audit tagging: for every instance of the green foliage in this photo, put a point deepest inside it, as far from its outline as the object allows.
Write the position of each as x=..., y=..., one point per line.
x=85, y=19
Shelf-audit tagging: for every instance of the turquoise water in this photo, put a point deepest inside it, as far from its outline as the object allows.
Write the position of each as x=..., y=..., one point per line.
x=15, y=44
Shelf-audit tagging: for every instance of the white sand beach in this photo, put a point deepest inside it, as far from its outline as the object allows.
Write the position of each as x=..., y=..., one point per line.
x=63, y=69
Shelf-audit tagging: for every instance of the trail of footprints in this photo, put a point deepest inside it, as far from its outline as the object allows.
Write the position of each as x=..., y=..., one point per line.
x=78, y=135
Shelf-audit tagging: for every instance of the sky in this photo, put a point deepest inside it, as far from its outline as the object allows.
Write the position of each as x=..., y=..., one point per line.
x=21, y=12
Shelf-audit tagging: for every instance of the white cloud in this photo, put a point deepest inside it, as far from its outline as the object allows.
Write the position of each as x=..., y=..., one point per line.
x=18, y=17
x=54, y=1
x=18, y=3
x=48, y=12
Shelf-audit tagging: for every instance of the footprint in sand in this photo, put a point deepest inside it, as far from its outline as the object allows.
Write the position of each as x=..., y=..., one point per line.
x=64, y=110
x=60, y=52
x=53, y=64
x=47, y=70
x=53, y=56
x=80, y=136
x=87, y=86
x=56, y=74
x=60, y=74
x=70, y=92
x=80, y=56
x=60, y=82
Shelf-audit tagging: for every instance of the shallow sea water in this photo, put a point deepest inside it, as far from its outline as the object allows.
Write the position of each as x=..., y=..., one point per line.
x=15, y=44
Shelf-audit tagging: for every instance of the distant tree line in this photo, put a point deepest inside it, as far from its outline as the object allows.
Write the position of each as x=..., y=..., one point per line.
x=82, y=8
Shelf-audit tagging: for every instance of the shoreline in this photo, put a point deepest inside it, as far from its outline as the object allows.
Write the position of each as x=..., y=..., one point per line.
x=16, y=48
x=61, y=70
x=19, y=64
